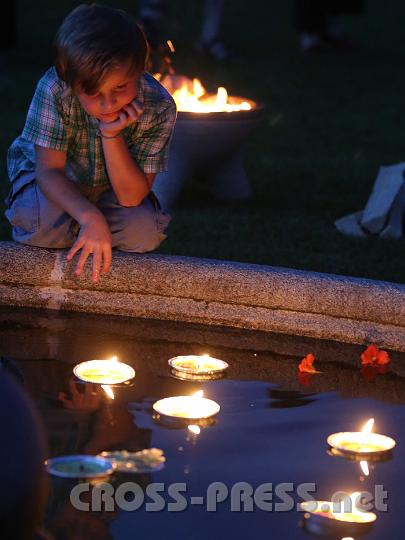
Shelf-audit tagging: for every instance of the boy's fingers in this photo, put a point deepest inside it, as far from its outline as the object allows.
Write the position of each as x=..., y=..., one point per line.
x=137, y=106
x=74, y=249
x=82, y=260
x=96, y=265
x=122, y=117
x=131, y=112
x=72, y=387
x=107, y=259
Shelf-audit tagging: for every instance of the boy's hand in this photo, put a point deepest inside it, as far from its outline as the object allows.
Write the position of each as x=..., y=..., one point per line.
x=126, y=116
x=95, y=238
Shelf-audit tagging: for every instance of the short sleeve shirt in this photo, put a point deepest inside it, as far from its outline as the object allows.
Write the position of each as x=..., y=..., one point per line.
x=57, y=121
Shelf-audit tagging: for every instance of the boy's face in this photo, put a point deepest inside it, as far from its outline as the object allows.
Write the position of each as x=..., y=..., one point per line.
x=119, y=88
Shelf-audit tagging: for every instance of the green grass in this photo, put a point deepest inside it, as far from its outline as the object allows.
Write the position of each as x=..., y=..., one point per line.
x=331, y=120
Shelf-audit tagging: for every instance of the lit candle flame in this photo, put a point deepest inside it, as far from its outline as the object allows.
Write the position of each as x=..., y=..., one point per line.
x=364, y=468
x=108, y=390
x=194, y=429
x=368, y=426
x=198, y=394
x=170, y=45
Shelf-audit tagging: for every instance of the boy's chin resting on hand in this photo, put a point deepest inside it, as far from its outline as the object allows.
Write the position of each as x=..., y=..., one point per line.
x=111, y=124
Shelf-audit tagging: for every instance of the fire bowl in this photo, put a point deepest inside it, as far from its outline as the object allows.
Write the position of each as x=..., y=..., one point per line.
x=208, y=147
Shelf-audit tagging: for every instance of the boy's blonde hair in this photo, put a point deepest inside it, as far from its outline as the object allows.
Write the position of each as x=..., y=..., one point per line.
x=93, y=39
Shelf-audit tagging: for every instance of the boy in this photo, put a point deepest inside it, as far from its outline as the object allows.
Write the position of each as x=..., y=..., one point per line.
x=96, y=134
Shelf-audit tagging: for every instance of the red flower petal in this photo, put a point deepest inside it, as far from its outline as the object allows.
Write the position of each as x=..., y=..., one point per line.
x=382, y=358
x=373, y=355
x=369, y=356
x=306, y=364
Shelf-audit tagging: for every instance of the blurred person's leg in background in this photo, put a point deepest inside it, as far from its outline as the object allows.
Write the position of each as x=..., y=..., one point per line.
x=211, y=41
x=318, y=22
x=153, y=15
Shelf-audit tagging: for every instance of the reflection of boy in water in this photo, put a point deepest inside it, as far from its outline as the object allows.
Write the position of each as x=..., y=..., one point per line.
x=110, y=426
x=103, y=424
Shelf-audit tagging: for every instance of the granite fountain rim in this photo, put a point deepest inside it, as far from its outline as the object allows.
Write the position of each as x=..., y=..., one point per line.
x=211, y=292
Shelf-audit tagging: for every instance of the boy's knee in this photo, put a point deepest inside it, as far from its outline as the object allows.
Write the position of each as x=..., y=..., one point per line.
x=37, y=222
x=140, y=231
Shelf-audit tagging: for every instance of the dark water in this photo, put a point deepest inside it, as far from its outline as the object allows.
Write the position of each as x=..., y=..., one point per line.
x=272, y=427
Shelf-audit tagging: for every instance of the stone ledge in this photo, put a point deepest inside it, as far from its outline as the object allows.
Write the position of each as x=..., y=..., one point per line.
x=210, y=292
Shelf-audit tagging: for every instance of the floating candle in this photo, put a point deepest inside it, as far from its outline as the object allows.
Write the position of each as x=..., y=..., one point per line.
x=198, y=365
x=361, y=443
x=79, y=466
x=188, y=407
x=328, y=517
x=104, y=372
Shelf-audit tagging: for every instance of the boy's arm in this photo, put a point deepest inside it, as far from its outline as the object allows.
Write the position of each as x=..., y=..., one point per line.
x=130, y=184
x=129, y=180
x=95, y=236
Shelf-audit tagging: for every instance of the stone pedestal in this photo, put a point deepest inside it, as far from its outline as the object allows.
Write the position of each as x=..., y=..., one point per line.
x=209, y=147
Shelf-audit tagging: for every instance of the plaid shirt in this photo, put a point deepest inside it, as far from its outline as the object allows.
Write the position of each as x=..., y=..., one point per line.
x=56, y=120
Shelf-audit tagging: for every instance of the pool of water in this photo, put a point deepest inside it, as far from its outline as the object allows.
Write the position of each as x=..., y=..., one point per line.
x=271, y=429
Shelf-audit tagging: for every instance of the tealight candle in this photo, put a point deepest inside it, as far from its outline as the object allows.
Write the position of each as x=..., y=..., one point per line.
x=361, y=443
x=79, y=466
x=198, y=365
x=188, y=407
x=104, y=372
x=323, y=517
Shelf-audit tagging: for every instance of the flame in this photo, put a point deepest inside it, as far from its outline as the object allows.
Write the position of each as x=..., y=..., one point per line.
x=198, y=394
x=170, y=45
x=108, y=390
x=114, y=359
x=191, y=96
x=364, y=468
x=368, y=426
x=194, y=429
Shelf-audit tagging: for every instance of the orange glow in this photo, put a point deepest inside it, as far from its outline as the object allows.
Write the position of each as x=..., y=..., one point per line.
x=191, y=96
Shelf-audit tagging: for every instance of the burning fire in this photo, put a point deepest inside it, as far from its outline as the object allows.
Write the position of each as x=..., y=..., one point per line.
x=191, y=96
